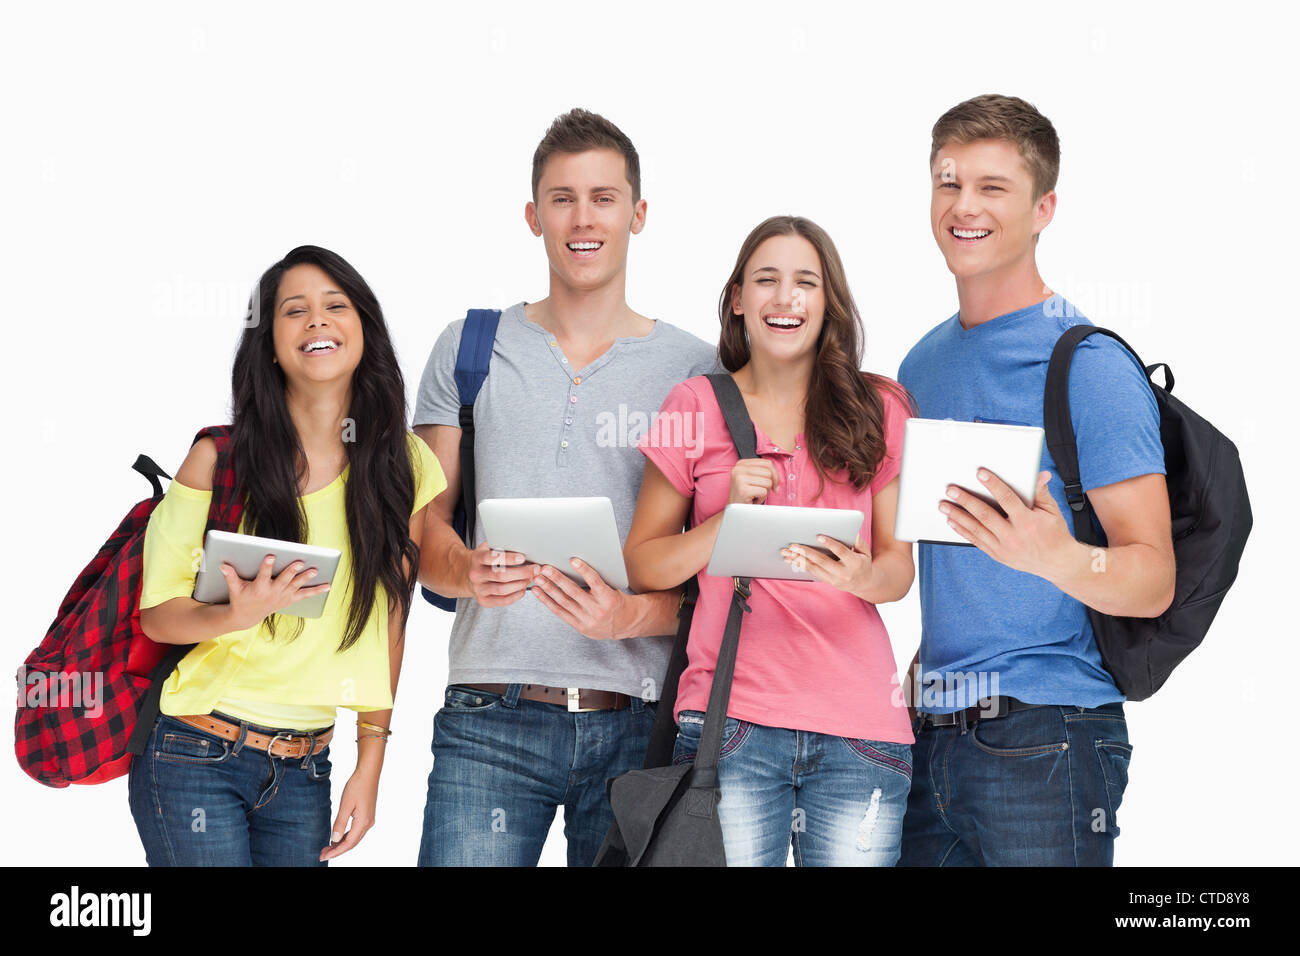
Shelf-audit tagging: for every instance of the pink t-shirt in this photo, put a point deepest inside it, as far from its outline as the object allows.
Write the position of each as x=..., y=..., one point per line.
x=811, y=657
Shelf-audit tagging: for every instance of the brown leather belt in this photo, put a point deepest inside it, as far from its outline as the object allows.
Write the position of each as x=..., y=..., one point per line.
x=290, y=744
x=576, y=699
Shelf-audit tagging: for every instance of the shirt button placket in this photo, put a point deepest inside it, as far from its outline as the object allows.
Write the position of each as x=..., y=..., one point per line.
x=568, y=419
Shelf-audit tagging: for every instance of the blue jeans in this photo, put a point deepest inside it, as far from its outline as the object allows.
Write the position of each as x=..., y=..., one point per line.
x=199, y=800
x=839, y=800
x=1037, y=787
x=501, y=766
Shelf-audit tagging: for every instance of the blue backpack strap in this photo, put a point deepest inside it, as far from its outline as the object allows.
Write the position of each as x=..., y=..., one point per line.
x=472, y=363
x=473, y=360
x=475, y=354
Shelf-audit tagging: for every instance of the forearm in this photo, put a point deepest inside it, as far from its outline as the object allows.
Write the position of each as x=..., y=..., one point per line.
x=184, y=620
x=892, y=574
x=660, y=564
x=1133, y=580
x=444, y=561
x=651, y=614
x=370, y=743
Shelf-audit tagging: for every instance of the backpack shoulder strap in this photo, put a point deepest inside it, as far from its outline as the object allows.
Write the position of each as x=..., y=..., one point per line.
x=474, y=357
x=227, y=508
x=733, y=408
x=664, y=732
x=224, y=513
x=473, y=361
x=1060, y=428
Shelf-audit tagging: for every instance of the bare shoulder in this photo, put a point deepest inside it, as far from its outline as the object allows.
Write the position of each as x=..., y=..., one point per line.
x=196, y=471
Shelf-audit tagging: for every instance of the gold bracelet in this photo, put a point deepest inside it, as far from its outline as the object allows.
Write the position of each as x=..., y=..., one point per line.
x=375, y=727
x=383, y=737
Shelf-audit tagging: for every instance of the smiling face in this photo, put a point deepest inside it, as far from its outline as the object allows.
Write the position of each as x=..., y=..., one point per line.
x=585, y=214
x=782, y=297
x=317, y=331
x=983, y=211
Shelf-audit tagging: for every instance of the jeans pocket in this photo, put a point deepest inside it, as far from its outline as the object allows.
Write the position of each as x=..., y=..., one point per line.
x=882, y=753
x=1022, y=734
x=1114, y=757
x=179, y=743
x=460, y=698
x=690, y=726
x=319, y=766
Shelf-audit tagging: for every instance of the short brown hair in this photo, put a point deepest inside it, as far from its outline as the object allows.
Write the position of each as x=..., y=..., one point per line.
x=993, y=116
x=578, y=131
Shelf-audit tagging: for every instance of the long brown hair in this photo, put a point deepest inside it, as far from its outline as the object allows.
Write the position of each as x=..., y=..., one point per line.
x=844, y=414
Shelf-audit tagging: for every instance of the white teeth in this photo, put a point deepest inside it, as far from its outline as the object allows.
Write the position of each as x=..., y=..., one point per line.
x=784, y=322
x=971, y=233
x=318, y=346
x=584, y=246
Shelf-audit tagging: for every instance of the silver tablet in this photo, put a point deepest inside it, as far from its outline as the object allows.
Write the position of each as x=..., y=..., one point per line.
x=554, y=530
x=750, y=540
x=942, y=452
x=246, y=552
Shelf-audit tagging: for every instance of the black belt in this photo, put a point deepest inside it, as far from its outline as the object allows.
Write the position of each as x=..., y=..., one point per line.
x=988, y=708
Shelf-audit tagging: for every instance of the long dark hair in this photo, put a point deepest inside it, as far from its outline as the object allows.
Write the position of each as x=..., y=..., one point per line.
x=269, y=461
x=844, y=415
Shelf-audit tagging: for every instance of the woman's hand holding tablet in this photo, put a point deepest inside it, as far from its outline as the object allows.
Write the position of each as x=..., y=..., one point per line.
x=253, y=601
x=752, y=539
x=846, y=568
x=258, y=577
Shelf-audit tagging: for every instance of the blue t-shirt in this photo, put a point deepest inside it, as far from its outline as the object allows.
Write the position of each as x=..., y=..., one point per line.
x=987, y=629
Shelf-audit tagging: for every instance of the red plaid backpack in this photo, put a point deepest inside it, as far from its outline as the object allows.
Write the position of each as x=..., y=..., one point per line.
x=88, y=695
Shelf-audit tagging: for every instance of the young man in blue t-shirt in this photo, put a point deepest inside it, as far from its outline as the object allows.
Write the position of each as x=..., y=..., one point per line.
x=1022, y=749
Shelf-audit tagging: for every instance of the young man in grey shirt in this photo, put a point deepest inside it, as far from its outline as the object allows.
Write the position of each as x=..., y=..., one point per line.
x=552, y=686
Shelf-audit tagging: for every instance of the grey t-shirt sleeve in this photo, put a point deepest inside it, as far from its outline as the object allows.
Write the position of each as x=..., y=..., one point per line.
x=438, y=401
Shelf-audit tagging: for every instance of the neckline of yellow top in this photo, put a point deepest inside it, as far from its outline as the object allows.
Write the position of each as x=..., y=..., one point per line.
x=337, y=482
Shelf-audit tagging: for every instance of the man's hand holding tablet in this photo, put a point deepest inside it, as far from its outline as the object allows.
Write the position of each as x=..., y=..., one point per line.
x=497, y=578
x=1035, y=540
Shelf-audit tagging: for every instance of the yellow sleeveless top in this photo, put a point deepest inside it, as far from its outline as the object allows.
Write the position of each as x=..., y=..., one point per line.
x=277, y=682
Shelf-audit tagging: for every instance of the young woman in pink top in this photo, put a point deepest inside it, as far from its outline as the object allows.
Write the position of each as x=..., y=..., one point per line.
x=817, y=745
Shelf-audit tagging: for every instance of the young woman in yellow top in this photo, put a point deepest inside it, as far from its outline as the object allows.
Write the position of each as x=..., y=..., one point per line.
x=236, y=771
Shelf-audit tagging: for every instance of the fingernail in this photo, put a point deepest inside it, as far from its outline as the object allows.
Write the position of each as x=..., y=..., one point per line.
x=821, y=538
x=951, y=492
x=311, y=573
x=983, y=475
x=575, y=562
x=335, y=838
x=944, y=507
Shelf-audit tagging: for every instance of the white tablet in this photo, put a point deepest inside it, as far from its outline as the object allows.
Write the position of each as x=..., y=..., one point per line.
x=554, y=530
x=246, y=552
x=942, y=452
x=750, y=540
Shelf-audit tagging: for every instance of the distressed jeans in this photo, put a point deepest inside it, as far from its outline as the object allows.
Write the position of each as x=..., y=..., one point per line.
x=201, y=800
x=502, y=765
x=839, y=801
x=1036, y=787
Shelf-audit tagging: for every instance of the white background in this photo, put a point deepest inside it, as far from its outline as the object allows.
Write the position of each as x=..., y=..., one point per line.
x=159, y=157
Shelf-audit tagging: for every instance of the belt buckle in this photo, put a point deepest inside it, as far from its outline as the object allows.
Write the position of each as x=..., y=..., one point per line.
x=573, y=702
x=271, y=743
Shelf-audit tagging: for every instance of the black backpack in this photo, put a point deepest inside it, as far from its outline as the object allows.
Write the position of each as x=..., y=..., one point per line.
x=1211, y=517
